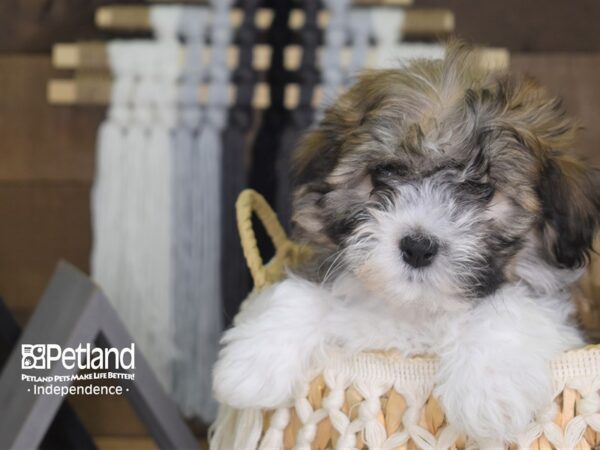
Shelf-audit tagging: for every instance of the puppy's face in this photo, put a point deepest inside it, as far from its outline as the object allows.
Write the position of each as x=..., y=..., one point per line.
x=439, y=184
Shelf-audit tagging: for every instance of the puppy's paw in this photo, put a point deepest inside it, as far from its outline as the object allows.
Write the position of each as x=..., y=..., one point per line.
x=249, y=374
x=495, y=406
x=268, y=351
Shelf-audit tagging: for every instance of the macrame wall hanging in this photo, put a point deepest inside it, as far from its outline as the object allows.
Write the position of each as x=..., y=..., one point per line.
x=387, y=25
x=273, y=119
x=235, y=280
x=302, y=116
x=335, y=40
x=131, y=245
x=197, y=312
x=268, y=136
x=359, y=27
x=157, y=195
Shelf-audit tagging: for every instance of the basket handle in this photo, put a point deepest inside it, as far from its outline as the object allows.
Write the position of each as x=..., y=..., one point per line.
x=248, y=202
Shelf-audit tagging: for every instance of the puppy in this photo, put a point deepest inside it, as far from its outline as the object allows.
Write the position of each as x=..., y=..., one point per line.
x=448, y=217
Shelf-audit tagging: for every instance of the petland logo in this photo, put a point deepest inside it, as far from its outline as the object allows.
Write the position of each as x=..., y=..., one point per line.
x=43, y=356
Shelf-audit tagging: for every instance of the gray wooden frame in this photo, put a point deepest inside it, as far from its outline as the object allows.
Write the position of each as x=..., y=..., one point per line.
x=66, y=432
x=74, y=311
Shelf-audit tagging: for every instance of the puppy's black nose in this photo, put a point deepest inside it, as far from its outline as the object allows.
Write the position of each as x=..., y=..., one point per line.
x=418, y=250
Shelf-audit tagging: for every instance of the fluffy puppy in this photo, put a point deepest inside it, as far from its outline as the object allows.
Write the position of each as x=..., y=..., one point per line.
x=448, y=217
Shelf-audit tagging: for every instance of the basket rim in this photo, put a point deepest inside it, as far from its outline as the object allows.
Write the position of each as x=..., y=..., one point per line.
x=582, y=362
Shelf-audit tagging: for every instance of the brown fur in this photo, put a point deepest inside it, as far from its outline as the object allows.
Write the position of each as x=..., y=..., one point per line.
x=432, y=114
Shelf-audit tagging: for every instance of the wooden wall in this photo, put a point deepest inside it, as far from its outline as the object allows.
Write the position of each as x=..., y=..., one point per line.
x=46, y=167
x=526, y=25
x=575, y=78
x=520, y=25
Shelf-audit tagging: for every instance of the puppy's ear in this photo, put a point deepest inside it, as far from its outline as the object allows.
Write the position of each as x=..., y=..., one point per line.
x=570, y=200
x=319, y=211
x=319, y=150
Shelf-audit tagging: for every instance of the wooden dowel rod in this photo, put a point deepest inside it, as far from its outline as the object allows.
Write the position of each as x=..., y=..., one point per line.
x=83, y=55
x=62, y=92
x=137, y=18
x=494, y=58
x=425, y=22
x=94, y=56
x=123, y=17
x=79, y=91
x=96, y=90
x=417, y=22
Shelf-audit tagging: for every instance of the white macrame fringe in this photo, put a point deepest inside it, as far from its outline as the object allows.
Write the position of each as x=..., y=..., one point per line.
x=156, y=203
x=234, y=429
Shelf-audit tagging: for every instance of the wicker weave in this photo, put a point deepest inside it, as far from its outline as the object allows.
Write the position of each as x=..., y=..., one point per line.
x=382, y=401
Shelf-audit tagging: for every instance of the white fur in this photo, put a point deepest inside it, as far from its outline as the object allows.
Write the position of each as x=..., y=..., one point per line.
x=494, y=351
x=372, y=250
x=494, y=355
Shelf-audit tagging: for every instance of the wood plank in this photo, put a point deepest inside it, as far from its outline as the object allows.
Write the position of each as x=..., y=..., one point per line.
x=574, y=77
x=526, y=26
x=533, y=25
x=41, y=223
x=33, y=26
x=108, y=416
x=42, y=141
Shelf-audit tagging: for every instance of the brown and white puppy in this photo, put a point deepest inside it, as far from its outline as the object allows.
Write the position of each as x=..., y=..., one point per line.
x=448, y=216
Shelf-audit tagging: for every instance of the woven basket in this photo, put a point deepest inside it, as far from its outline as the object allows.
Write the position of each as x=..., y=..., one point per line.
x=382, y=401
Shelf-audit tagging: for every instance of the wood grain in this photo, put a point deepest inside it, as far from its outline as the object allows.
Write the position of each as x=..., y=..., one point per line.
x=41, y=223
x=526, y=26
x=42, y=141
x=573, y=77
x=522, y=26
